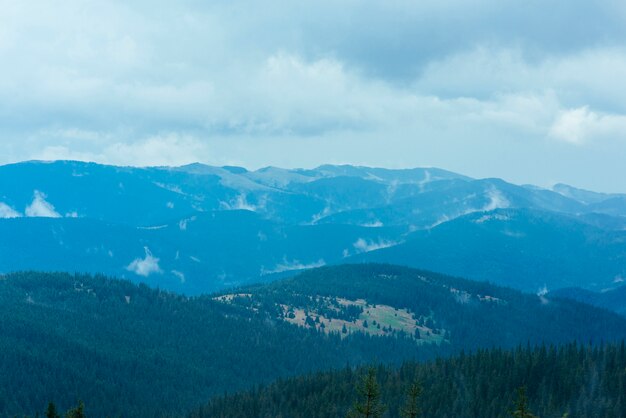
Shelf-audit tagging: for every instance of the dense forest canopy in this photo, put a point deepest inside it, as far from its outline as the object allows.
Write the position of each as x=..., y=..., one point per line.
x=130, y=350
x=577, y=381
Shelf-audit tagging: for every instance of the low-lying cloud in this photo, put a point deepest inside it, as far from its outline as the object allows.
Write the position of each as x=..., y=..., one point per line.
x=145, y=266
x=365, y=245
x=7, y=212
x=41, y=208
x=292, y=265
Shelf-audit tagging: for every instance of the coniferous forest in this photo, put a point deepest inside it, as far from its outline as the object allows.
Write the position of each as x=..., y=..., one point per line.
x=128, y=350
x=576, y=381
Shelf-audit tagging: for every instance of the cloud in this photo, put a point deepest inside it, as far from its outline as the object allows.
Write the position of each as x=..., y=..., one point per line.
x=169, y=149
x=145, y=266
x=7, y=212
x=578, y=125
x=239, y=203
x=40, y=208
x=496, y=200
x=363, y=246
x=374, y=224
x=542, y=293
x=293, y=265
x=295, y=85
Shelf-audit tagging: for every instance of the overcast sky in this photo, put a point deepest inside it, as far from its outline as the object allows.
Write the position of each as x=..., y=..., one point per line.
x=531, y=91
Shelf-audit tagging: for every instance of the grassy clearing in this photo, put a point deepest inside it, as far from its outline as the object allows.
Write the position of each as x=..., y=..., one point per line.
x=374, y=320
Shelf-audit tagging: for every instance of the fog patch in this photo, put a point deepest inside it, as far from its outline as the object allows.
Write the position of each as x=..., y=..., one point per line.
x=7, y=212
x=182, y=225
x=145, y=266
x=496, y=200
x=239, y=203
x=327, y=211
x=363, y=246
x=40, y=208
x=292, y=265
x=542, y=292
x=373, y=224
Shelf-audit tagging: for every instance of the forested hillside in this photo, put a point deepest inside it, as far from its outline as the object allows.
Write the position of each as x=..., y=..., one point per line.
x=520, y=248
x=573, y=380
x=130, y=351
x=466, y=314
x=612, y=299
x=133, y=351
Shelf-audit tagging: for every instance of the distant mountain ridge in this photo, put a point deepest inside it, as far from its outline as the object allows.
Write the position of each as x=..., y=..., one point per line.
x=613, y=299
x=519, y=248
x=199, y=228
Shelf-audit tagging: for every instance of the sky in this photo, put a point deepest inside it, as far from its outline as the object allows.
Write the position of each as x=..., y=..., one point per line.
x=526, y=90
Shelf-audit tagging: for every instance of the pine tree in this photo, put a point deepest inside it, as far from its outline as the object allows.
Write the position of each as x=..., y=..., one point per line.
x=78, y=412
x=369, y=392
x=521, y=405
x=51, y=411
x=411, y=408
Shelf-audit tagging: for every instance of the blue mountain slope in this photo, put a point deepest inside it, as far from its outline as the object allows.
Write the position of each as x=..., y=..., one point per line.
x=524, y=249
x=202, y=253
x=613, y=299
x=214, y=227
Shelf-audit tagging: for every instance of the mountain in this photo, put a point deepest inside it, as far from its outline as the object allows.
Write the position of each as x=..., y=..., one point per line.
x=197, y=228
x=572, y=380
x=199, y=254
x=612, y=299
x=129, y=350
x=520, y=248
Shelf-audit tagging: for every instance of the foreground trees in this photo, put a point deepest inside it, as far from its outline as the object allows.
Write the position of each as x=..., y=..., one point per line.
x=521, y=405
x=369, y=405
x=582, y=381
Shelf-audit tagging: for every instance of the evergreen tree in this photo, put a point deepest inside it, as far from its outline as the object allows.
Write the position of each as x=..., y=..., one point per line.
x=369, y=392
x=78, y=412
x=521, y=405
x=51, y=411
x=411, y=408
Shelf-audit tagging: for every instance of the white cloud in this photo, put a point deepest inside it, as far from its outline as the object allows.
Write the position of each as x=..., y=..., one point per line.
x=169, y=149
x=241, y=203
x=182, y=225
x=145, y=266
x=7, y=212
x=578, y=125
x=40, y=208
x=496, y=200
x=373, y=224
x=293, y=265
x=293, y=85
x=363, y=246
x=542, y=293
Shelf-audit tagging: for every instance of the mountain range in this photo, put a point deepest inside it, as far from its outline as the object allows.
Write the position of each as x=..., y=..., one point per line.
x=197, y=228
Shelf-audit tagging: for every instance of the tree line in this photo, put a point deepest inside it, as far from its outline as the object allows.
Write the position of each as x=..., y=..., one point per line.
x=569, y=380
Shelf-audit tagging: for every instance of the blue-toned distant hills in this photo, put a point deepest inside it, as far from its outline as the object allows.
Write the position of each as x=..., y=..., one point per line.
x=199, y=228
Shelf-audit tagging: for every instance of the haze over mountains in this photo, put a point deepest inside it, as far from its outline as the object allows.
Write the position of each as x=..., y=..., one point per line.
x=199, y=228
